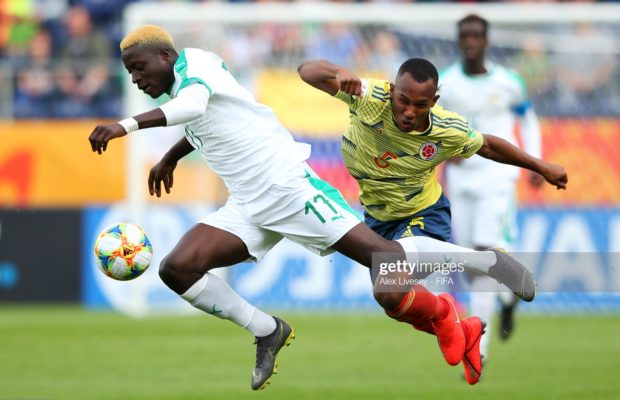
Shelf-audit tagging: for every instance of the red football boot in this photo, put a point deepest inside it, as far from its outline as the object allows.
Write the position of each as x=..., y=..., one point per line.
x=449, y=332
x=472, y=360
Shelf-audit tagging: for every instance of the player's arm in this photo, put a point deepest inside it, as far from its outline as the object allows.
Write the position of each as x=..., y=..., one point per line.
x=163, y=170
x=500, y=150
x=190, y=103
x=102, y=134
x=329, y=77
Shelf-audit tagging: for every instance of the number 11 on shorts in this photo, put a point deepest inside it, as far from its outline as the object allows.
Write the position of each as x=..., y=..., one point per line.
x=310, y=206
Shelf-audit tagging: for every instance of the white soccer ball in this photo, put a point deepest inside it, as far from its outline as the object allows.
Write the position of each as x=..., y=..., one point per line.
x=123, y=251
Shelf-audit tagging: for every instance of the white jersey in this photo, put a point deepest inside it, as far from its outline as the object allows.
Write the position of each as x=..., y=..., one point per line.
x=242, y=140
x=491, y=103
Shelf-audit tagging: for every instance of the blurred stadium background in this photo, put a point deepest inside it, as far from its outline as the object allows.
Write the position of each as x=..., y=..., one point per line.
x=60, y=75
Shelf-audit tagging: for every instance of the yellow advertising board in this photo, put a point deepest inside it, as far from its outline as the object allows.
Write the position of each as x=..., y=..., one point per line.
x=50, y=164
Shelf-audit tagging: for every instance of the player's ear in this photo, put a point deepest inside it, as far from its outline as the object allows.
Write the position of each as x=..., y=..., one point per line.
x=391, y=87
x=164, y=53
x=435, y=100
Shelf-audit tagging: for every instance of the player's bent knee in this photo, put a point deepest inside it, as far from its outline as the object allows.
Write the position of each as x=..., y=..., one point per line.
x=388, y=300
x=169, y=271
x=179, y=273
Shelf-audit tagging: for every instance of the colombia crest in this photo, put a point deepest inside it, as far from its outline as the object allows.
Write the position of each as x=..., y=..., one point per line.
x=428, y=151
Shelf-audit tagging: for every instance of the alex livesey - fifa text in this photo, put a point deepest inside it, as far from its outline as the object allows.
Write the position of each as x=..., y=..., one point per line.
x=390, y=273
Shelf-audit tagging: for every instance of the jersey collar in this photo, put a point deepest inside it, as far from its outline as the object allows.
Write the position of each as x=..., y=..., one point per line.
x=488, y=65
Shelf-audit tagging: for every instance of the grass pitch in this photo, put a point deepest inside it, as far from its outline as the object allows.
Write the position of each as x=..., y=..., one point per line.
x=69, y=353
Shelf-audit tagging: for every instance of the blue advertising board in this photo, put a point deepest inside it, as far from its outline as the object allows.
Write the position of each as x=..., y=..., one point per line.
x=585, y=279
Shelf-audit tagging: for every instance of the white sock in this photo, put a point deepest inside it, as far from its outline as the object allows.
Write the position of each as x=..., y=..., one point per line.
x=435, y=251
x=482, y=300
x=507, y=298
x=213, y=296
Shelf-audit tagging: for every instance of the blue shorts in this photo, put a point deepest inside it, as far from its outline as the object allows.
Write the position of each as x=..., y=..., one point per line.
x=434, y=221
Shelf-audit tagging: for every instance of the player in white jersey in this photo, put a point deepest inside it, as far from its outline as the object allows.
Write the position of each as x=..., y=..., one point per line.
x=275, y=194
x=493, y=98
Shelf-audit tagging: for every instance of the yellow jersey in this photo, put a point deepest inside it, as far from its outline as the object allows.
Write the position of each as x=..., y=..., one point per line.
x=396, y=170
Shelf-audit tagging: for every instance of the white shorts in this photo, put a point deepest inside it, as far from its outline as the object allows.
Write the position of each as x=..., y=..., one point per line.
x=484, y=219
x=300, y=207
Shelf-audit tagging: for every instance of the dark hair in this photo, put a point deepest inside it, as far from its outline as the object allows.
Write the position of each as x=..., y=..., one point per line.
x=474, y=18
x=420, y=70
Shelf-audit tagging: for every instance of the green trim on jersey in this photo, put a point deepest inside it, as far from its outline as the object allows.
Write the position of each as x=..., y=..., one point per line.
x=515, y=75
x=194, y=140
x=189, y=81
x=396, y=170
x=181, y=68
x=331, y=193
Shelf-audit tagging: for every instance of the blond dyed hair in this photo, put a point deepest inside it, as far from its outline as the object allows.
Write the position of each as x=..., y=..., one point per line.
x=147, y=34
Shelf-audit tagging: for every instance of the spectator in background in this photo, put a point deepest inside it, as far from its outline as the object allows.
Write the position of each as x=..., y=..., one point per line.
x=387, y=54
x=103, y=13
x=533, y=63
x=288, y=44
x=106, y=17
x=34, y=89
x=243, y=50
x=585, y=66
x=83, y=75
x=338, y=43
x=50, y=15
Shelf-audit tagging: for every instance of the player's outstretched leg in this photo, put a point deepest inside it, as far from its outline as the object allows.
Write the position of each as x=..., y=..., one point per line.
x=436, y=315
x=267, y=348
x=494, y=263
x=473, y=329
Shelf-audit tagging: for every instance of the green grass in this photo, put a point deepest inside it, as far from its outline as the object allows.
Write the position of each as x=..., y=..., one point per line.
x=70, y=353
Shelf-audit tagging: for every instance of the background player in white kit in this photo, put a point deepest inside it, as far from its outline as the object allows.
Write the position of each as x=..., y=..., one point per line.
x=492, y=98
x=275, y=194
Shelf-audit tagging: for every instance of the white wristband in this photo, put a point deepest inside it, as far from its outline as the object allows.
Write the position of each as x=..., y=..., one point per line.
x=130, y=124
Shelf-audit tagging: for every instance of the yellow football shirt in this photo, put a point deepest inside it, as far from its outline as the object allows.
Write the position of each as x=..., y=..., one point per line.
x=396, y=170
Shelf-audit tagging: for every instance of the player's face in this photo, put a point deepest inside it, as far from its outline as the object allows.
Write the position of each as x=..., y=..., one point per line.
x=411, y=102
x=472, y=40
x=151, y=69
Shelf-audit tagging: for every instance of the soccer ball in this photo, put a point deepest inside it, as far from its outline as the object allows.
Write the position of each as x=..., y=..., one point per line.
x=123, y=251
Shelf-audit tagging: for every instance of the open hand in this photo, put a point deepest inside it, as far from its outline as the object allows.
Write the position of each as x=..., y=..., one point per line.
x=161, y=172
x=102, y=134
